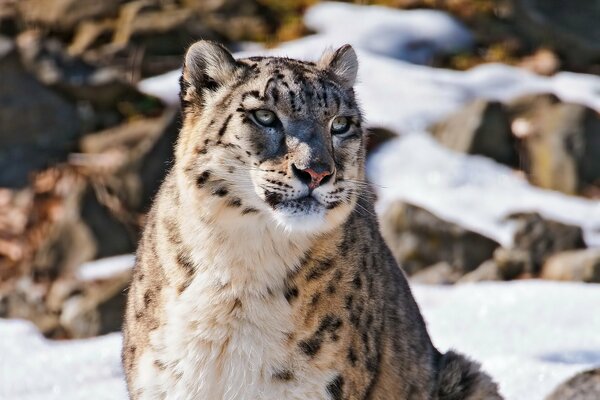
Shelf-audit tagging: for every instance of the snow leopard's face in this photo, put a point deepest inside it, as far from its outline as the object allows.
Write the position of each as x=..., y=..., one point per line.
x=283, y=137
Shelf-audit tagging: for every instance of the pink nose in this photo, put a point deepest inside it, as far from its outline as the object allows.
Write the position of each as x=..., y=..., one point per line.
x=316, y=177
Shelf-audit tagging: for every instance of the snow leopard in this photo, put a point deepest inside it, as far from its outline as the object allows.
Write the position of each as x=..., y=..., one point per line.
x=261, y=272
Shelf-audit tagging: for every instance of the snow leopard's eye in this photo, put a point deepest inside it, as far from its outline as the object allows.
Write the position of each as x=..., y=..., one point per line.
x=340, y=125
x=265, y=117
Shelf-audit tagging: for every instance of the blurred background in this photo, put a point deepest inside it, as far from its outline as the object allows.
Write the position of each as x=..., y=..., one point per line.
x=484, y=152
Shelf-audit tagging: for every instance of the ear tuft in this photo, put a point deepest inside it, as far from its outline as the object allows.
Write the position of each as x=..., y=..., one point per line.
x=342, y=63
x=208, y=64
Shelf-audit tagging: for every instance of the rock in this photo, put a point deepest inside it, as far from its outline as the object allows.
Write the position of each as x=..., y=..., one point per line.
x=540, y=238
x=72, y=306
x=238, y=20
x=154, y=36
x=542, y=62
x=29, y=144
x=488, y=271
x=583, y=386
x=481, y=128
x=575, y=265
x=129, y=162
x=560, y=145
x=512, y=263
x=441, y=273
x=98, y=306
x=570, y=27
x=419, y=239
x=104, y=88
x=63, y=15
x=377, y=136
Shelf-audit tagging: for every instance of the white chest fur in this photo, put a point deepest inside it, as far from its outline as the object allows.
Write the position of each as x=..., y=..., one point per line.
x=220, y=349
x=227, y=334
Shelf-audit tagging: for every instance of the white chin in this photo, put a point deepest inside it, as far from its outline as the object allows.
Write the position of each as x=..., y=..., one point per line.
x=310, y=221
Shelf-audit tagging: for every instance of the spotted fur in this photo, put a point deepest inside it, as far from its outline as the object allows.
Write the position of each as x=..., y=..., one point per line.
x=256, y=280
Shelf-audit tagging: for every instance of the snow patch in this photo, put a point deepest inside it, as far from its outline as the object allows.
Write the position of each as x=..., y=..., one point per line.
x=106, y=268
x=473, y=192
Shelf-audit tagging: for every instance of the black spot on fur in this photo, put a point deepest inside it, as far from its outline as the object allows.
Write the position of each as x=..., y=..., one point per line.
x=320, y=269
x=311, y=346
x=291, y=293
x=234, y=202
x=202, y=178
x=249, y=210
x=336, y=388
x=272, y=198
x=220, y=191
x=224, y=126
x=352, y=356
x=184, y=261
x=357, y=282
x=148, y=297
x=283, y=375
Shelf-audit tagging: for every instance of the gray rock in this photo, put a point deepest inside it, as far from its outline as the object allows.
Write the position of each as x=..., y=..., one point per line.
x=583, y=386
x=481, y=128
x=539, y=238
x=38, y=127
x=512, y=263
x=134, y=159
x=571, y=27
x=488, y=271
x=441, y=273
x=575, y=265
x=63, y=15
x=419, y=239
x=560, y=142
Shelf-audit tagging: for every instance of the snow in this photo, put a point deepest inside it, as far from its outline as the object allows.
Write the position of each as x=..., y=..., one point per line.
x=416, y=36
x=106, y=267
x=474, y=192
x=32, y=367
x=529, y=335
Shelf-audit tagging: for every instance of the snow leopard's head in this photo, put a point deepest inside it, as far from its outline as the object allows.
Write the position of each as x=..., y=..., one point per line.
x=274, y=136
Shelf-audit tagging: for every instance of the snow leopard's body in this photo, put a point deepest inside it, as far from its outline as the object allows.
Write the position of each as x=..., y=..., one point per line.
x=261, y=273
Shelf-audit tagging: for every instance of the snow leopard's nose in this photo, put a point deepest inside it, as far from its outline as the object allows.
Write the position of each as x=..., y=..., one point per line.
x=313, y=177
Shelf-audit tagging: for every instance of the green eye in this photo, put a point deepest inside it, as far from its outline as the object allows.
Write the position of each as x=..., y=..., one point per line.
x=340, y=125
x=265, y=117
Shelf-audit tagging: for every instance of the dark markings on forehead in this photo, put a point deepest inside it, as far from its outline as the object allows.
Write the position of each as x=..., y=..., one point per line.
x=252, y=93
x=224, y=126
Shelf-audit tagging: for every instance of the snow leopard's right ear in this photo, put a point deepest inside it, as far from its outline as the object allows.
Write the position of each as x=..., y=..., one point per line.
x=343, y=63
x=207, y=65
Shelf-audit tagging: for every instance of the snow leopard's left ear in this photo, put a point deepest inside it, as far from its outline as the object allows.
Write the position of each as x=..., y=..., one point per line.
x=342, y=62
x=208, y=65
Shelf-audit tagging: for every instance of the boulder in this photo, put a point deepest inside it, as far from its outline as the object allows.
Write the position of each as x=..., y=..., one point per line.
x=488, y=271
x=481, y=128
x=570, y=27
x=63, y=15
x=101, y=87
x=574, y=265
x=512, y=263
x=127, y=162
x=583, y=386
x=419, y=239
x=441, y=273
x=560, y=144
x=537, y=238
x=39, y=127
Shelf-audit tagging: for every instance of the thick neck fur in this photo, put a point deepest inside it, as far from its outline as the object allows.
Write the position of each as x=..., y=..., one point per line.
x=249, y=253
